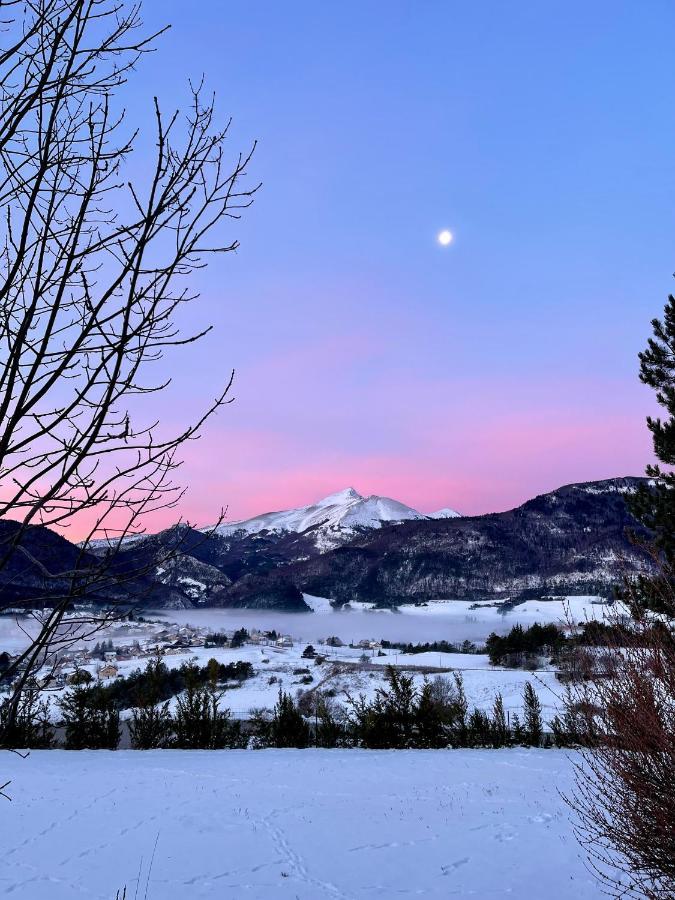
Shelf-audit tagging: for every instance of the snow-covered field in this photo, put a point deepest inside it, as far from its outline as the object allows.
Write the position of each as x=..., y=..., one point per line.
x=290, y=824
x=274, y=667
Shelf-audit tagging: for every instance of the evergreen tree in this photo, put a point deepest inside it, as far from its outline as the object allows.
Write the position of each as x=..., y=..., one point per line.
x=239, y=638
x=150, y=726
x=534, y=728
x=479, y=729
x=29, y=728
x=567, y=729
x=199, y=723
x=91, y=719
x=288, y=727
x=460, y=710
x=430, y=727
x=329, y=731
x=212, y=671
x=517, y=731
x=654, y=505
x=499, y=726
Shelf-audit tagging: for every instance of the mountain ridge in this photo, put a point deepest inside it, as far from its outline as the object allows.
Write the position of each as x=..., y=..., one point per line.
x=570, y=540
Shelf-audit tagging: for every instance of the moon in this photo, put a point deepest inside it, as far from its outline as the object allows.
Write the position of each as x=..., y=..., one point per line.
x=445, y=237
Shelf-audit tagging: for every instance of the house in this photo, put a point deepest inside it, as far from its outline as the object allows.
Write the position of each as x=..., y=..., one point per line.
x=284, y=641
x=108, y=671
x=110, y=656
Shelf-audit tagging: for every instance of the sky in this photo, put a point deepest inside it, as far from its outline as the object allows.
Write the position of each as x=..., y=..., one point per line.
x=475, y=375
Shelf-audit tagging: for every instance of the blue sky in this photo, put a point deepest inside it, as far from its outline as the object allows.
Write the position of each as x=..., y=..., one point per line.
x=541, y=134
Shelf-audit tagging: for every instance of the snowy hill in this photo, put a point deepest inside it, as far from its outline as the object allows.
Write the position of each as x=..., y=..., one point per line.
x=330, y=521
x=445, y=513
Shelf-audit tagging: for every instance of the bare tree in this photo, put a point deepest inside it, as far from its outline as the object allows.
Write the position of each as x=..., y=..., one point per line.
x=623, y=715
x=94, y=269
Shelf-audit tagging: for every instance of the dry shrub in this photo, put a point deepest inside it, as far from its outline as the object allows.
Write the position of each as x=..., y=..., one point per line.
x=624, y=718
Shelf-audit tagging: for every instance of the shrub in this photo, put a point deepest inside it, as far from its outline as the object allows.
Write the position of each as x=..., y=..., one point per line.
x=29, y=728
x=91, y=719
x=199, y=723
x=287, y=727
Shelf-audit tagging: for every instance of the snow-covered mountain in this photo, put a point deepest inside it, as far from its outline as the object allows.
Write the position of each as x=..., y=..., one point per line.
x=571, y=541
x=445, y=513
x=329, y=522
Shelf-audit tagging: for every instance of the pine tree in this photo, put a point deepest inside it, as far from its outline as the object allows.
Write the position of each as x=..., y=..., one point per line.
x=151, y=726
x=212, y=669
x=429, y=715
x=91, y=719
x=329, y=728
x=534, y=728
x=460, y=707
x=30, y=727
x=199, y=723
x=654, y=505
x=500, y=729
x=479, y=729
x=288, y=727
x=517, y=730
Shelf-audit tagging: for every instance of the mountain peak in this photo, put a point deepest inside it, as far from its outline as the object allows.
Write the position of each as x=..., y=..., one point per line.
x=330, y=521
x=346, y=495
x=445, y=513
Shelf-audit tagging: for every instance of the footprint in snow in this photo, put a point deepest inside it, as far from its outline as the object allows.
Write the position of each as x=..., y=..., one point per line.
x=455, y=865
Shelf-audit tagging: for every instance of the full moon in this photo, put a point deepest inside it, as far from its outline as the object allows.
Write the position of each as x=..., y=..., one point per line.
x=445, y=238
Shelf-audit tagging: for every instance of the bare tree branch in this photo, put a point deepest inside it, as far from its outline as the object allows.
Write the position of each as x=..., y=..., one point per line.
x=94, y=268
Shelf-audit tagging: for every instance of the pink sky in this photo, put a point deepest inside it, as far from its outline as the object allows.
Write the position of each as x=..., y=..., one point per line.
x=475, y=444
x=473, y=376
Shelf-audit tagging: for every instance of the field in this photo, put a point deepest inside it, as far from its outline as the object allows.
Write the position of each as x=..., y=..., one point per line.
x=343, y=673
x=290, y=824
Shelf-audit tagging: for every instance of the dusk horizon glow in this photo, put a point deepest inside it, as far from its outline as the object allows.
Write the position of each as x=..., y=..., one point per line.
x=474, y=375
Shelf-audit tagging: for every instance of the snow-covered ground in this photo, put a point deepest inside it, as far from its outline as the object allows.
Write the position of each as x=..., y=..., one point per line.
x=290, y=824
x=275, y=667
x=450, y=620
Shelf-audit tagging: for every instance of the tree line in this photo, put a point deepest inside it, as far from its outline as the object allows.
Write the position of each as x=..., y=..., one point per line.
x=400, y=715
x=90, y=711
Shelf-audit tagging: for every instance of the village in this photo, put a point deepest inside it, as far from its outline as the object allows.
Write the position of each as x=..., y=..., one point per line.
x=277, y=661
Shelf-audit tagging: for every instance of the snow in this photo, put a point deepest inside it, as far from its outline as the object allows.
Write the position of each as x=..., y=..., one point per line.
x=331, y=519
x=453, y=621
x=100, y=545
x=290, y=824
x=445, y=513
x=344, y=674
x=450, y=620
x=318, y=604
